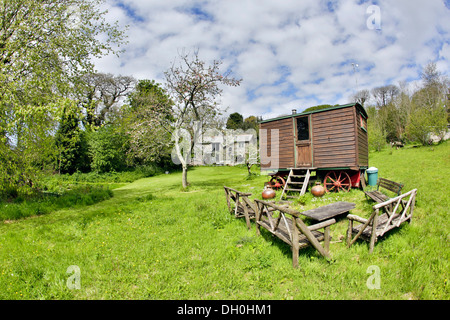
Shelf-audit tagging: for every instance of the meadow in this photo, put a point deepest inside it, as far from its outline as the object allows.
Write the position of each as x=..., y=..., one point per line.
x=150, y=239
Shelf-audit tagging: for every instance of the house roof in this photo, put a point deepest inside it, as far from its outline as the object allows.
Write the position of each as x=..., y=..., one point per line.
x=361, y=109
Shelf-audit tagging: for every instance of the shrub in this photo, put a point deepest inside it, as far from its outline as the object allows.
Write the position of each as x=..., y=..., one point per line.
x=45, y=203
x=423, y=121
x=106, y=148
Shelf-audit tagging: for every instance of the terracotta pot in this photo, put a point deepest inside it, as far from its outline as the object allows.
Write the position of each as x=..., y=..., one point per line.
x=318, y=190
x=268, y=193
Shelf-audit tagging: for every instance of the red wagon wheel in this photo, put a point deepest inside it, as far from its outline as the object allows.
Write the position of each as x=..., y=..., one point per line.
x=337, y=181
x=276, y=182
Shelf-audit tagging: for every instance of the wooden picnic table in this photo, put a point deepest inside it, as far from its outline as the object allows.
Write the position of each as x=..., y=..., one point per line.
x=329, y=211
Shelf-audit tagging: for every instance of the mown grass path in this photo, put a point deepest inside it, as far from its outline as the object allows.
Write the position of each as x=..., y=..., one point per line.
x=153, y=241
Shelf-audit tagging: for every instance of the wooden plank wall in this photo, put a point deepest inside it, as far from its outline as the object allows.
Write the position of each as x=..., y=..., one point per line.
x=363, y=145
x=334, y=141
x=286, y=144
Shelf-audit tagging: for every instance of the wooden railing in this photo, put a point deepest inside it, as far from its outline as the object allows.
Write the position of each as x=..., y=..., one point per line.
x=286, y=224
x=384, y=218
x=239, y=204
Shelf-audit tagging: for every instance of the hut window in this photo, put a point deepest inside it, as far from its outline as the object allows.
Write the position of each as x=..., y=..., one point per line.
x=362, y=122
x=302, y=128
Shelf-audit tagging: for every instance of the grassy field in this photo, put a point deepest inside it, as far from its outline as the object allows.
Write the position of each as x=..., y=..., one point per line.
x=152, y=240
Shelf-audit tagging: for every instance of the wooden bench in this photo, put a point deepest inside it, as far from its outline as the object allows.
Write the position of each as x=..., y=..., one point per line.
x=377, y=225
x=286, y=224
x=379, y=197
x=239, y=204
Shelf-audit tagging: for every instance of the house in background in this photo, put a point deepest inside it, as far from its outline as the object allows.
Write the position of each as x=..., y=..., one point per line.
x=231, y=147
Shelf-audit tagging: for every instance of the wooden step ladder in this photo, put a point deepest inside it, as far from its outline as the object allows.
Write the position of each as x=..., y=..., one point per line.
x=297, y=181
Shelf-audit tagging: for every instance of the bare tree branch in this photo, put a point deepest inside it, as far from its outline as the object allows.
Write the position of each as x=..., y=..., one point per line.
x=194, y=87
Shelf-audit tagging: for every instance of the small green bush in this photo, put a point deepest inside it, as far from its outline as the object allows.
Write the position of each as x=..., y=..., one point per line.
x=45, y=203
x=53, y=183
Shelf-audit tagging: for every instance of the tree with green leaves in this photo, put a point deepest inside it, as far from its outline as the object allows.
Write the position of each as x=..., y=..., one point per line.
x=319, y=107
x=71, y=143
x=43, y=52
x=148, y=116
x=99, y=94
x=251, y=122
x=46, y=47
x=429, y=114
x=107, y=148
x=235, y=121
x=375, y=128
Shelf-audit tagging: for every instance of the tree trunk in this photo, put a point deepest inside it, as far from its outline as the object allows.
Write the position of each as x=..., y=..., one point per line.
x=249, y=167
x=184, y=178
x=183, y=159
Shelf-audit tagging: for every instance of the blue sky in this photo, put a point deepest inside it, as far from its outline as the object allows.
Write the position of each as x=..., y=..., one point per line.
x=291, y=54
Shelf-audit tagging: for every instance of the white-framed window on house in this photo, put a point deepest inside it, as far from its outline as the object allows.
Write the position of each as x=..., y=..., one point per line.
x=215, y=152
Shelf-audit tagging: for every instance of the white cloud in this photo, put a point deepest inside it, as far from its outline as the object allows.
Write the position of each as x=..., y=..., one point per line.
x=290, y=54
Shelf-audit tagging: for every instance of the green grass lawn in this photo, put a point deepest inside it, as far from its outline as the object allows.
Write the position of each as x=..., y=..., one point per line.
x=153, y=241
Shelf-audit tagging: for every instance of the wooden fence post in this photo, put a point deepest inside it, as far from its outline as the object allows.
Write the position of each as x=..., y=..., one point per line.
x=326, y=241
x=373, y=236
x=295, y=244
x=227, y=194
x=258, y=217
x=349, y=232
x=314, y=242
